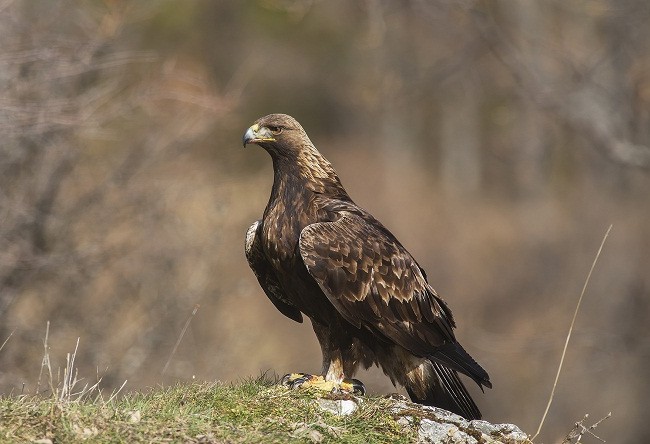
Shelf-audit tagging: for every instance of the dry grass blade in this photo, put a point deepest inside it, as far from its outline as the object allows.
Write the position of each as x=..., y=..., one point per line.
x=180, y=338
x=116, y=392
x=46, y=360
x=7, y=340
x=568, y=336
x=69, y=375
x=64, y=389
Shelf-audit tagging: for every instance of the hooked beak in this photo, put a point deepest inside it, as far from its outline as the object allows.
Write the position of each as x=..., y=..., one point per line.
x=257, y=134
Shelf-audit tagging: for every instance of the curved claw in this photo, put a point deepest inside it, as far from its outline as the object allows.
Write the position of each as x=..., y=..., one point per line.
x=358, y=388
x=295, y=380
x=353, y=386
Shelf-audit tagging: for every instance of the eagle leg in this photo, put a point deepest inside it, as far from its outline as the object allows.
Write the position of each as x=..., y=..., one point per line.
x=318, y=382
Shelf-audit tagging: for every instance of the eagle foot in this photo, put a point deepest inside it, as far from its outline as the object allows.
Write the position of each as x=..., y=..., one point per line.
x=305, y=380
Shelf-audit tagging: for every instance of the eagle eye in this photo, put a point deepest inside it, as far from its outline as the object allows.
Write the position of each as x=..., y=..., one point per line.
x=275, y=130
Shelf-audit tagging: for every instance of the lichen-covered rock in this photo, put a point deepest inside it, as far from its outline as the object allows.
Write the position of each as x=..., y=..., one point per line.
x=435, y=425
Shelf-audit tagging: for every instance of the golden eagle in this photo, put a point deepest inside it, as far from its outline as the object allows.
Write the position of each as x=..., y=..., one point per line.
x=315, y=252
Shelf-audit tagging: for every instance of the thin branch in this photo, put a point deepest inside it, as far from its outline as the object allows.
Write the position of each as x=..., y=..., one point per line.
x=568, y=336
x=587, y=121
x=579, y=430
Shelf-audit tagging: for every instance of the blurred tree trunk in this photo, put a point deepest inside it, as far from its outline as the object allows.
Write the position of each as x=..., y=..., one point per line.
x=460, y=154
x=81, y=116
x=529, y=22
x=38, y=151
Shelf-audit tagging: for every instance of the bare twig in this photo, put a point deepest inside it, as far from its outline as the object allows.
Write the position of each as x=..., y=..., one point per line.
x=587, y=120
x=579, y=430
x=568, y=336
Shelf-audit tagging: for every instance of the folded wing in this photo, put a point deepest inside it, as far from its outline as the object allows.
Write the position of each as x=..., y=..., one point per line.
x=376, y=284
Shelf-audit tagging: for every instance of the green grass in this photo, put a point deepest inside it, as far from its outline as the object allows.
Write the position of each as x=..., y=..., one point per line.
x=250, y=411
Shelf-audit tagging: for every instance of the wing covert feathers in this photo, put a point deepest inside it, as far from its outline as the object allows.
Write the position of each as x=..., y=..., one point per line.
x=374, y=282
x=372, y=279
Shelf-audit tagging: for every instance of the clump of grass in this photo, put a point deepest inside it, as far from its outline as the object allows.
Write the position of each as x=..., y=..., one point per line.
x=250, y=411
x=65, y=409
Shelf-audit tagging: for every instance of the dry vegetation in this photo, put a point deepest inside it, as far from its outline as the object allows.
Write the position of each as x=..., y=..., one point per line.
x=207, y=413
x=497, y=140
x=251, y=410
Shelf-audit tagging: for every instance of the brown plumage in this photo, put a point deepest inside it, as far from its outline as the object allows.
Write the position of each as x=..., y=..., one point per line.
x=316, y=253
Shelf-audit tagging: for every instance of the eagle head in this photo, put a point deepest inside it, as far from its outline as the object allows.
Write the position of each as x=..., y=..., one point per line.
x=275, y=131
x=294, y=154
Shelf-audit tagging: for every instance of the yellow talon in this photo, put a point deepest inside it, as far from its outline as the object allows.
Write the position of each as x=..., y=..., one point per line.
x=318, y=382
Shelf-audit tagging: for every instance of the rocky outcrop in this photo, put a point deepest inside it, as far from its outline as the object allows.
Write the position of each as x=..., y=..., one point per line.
x=434, y=425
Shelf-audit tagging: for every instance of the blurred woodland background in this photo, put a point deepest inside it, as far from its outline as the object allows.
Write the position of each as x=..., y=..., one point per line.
x=497, y=139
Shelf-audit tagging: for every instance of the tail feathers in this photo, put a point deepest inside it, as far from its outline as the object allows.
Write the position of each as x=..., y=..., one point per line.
x=449, y=393
x=453, y=355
